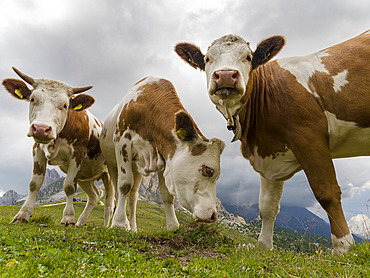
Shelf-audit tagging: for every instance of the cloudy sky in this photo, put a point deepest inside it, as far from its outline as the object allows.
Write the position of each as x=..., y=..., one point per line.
x=112, y=44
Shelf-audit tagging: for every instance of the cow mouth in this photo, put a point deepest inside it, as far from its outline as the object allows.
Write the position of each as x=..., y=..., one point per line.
x=226, y=93
x=42, y=140
x=209, y=220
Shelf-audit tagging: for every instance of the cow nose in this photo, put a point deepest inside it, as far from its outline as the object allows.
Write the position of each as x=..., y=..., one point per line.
x=226, y=78
x=41, y=131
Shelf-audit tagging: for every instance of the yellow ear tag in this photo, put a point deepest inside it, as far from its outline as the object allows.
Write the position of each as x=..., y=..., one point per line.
x=191, y=61
x=78, y=107
x=18, y=93
x=181, y=133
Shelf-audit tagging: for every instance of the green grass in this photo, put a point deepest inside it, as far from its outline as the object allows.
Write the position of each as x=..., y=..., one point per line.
x=43, y=248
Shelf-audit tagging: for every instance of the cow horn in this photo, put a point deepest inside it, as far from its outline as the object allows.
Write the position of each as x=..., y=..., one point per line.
x=26, y=78
x=80, y=90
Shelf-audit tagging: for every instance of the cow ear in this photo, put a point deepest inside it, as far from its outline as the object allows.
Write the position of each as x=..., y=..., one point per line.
x=17, y=88
x=81, y=102
x=191, y=54
x=184, y=127
x=266, y=50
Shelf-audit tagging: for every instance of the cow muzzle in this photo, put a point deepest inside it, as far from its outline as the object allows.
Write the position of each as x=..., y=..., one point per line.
x=226, y=84
x=208, y=215
x=41, y=133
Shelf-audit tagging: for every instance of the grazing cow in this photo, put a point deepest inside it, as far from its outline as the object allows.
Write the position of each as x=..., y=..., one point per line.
x=292, y=114
x=149, y=131
x=66, y=135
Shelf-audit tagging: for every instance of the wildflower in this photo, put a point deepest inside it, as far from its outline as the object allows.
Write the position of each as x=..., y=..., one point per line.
x=11, y=263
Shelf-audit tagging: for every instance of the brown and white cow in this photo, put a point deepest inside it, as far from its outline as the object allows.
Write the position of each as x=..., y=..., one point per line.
x=150, y=131
x=292, y=114
x=65, y=135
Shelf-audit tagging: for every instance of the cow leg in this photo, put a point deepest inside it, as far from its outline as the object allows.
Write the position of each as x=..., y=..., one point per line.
x=133, y=195
x=167, y=198
x=113, y=175
x=93, y=197
x=109, y=199
x=317, y=163
x=38, y=175
x=125, y=183
x=70, y=186
x=269, y=205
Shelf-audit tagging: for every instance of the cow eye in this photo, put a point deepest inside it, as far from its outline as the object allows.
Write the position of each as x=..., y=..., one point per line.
x=207, y=172
x=65, y=106
x=207, y=59
x=32, y=100
x=248, y=58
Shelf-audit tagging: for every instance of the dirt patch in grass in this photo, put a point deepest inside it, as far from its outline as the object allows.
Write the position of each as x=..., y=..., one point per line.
x=189, y=242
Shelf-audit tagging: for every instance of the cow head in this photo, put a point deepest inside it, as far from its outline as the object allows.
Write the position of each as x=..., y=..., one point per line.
x=192, y=172
x=228, y=64
x=49, y=104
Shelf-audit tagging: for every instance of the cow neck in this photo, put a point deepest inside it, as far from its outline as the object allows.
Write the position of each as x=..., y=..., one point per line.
x=75, y=130
x=256, y=112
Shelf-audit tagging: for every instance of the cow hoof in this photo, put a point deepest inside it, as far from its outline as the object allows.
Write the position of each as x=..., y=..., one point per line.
x=67, y=224
x=264, y=245
x=121, y=226
x=81, y=224
x=19, y=221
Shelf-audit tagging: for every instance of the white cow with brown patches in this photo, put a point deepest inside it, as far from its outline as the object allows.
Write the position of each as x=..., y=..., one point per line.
x=150, y=131
x=65, y=135
x=292, y=114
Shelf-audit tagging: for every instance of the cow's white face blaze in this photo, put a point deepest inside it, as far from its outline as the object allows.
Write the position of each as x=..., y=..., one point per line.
x=191, y=176
x=228, y=64
x=49, y=101
x=193, y=169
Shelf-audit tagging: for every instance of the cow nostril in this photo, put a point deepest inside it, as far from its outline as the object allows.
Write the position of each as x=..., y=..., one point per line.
x=33, y=129
x=47, y=130
x=213, y=217
x=216, y=76
x=235, y=75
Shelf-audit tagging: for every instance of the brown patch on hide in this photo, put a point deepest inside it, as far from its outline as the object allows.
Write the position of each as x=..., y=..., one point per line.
x=76, y=128
x=124, y=153
x=123, y=170
x=38, y=169
x=128, y=136
x=98, y=122
x=198, y=149
x=126, y=188
x=93, y=148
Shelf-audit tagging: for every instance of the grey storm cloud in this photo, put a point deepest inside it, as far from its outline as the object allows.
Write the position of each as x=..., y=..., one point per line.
x=113, y=44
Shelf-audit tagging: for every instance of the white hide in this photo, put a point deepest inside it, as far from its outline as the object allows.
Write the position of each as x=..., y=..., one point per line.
x=346, y=139
x=340, y=80
x=279, y=166
x=304, y=67
x=341, y=245
x=147, y=159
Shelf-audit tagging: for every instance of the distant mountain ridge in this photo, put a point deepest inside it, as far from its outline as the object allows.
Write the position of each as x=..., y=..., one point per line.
x=51, y=176
x=294, y=218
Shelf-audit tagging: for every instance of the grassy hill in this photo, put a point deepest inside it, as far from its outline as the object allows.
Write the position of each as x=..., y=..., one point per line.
x=43, y=248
